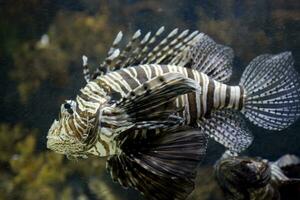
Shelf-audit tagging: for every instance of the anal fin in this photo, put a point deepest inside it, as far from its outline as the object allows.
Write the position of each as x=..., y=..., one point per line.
x=227, y=128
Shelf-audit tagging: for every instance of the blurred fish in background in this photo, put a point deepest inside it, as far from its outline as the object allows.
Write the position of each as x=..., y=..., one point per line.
x=258, y=179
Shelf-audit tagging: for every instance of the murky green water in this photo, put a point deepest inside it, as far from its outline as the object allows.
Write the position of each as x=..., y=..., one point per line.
x=41, y=44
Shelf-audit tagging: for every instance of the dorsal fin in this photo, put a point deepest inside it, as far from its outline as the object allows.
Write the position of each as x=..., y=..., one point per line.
x=157, y=49
x=146, y=49
x=128, y=52
x=164, y=43
x=86, y=70
x=211, y=58
x=133, y=52
x=111, y=58
x=184, y=48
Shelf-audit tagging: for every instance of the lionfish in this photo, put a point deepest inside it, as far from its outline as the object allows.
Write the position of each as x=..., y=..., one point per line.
x=150, y=106
x=243, y=178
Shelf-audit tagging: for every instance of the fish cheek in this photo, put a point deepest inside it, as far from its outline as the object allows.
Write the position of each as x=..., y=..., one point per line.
x=73, y=128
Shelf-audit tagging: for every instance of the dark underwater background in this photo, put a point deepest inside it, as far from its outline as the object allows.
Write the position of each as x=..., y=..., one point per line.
x=41, y=44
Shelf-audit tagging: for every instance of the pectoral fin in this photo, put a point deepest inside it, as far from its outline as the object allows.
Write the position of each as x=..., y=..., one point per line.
x=161, y=166
x=155, y=99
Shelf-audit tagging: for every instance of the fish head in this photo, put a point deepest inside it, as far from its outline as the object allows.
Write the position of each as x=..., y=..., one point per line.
x=63, y=137
x=245, y=172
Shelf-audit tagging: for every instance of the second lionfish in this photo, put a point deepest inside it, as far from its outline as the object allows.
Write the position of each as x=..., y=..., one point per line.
x=150, y=106
x=247, y=178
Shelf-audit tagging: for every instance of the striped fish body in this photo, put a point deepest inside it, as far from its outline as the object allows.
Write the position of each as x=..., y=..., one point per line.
x=214, y=94
x=196, y=106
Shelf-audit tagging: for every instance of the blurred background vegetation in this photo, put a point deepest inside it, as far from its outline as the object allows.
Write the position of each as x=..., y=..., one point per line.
x=41, y=44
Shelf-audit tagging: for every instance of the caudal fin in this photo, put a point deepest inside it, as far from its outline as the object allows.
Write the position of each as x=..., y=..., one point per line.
x=272, y=89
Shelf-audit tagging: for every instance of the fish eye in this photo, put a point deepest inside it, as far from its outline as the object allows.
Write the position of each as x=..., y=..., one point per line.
x=67, y=106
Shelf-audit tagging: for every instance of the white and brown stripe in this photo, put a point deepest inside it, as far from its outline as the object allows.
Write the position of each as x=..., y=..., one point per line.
x=117, y=84
x=215, y=95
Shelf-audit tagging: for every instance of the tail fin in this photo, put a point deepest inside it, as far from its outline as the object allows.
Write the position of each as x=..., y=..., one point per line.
x=272, y=88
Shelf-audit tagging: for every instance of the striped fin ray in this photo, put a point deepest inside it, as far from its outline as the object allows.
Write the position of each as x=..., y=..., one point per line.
x=164, y=42
x=171, y=47
x=161, y=88
x=86, y=70
x=128, y=53
x=149, y=44
x=154, y=100
x=272, y=88
x=227, y=128
x=131, y=53
x=109, y=63
x=167, y=48
x=147, y=49
x=136, y=51
x=182, y=48
x=161, y=166
x=211, y=58
x=164, y=50
x=116, y=43
x=177, y=48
